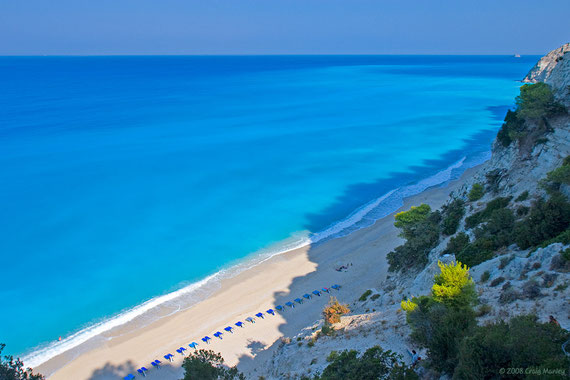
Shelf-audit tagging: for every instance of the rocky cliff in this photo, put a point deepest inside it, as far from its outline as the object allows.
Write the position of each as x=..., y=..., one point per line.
x=554, y=70
x=513, y=282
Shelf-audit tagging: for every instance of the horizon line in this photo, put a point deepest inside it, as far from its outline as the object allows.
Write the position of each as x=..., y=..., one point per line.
x=269, y=54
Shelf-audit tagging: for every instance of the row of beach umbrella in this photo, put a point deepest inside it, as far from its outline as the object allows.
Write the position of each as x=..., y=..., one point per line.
x=230, y=329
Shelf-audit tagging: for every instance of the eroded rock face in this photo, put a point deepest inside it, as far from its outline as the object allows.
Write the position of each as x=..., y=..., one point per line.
x=554, y=70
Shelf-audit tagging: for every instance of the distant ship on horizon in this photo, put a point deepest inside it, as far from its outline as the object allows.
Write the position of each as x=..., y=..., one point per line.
x=517, y=55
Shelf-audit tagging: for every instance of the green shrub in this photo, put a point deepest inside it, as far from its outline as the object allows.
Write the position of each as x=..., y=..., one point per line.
x=421, y=234
x=546, y=220
x=452, y=213
x=560, y=175
x=208, y=365
x=477, y=252
x=484, y=215
x=441, y=320
x=375, y=363
x=13, y=369
x=507, y=345
x=505, y=261
x=522, y=210
x=512, y=129
x=522, y=197
x=375, y=297
x=328, y=330
x=408, y=220
x=457, y=243
x=332, y=356
x=365, y=295
x=537, y=101
x=485, y=276
x=476, y=193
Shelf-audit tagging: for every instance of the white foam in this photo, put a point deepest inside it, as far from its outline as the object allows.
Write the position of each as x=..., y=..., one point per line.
x=358, y=219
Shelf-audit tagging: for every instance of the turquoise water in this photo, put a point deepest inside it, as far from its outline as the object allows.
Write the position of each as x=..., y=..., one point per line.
x=126, y=178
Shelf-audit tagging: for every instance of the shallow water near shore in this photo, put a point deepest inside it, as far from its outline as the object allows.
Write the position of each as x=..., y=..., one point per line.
x=128, y=178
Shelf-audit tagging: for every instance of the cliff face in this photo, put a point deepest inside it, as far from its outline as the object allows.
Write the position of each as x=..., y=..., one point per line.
x=554, y=70
x=511, y=171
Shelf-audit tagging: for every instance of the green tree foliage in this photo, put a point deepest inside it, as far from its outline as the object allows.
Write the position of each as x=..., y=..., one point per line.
x=512, y=129
x=420, y=227
x=208, y=365
x=439, y=322
x=457, y=243
x=375, y=363
x=477, y=191
x=13, y=369
x=483, y=216
x=452, y=215
x=408, y=220
x=560, y=175
x=546, y=220
x=523, y=342
x=454, y=285
x=537, y=101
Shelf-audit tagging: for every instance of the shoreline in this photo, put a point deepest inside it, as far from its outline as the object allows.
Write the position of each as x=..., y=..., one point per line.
x=254, y=289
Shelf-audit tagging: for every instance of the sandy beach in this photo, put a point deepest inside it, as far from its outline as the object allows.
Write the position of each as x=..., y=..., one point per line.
x=282, y=278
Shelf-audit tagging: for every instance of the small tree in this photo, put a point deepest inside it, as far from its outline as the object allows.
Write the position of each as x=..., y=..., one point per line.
x=13, y=369
x=375, y=363
x=476, y=193
x=537, y=101
x=208, y=365
x=334, y=310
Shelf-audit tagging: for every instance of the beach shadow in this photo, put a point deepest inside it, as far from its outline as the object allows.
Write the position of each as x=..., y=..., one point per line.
x=112, y=371
x=255, y=346
x=363, y=274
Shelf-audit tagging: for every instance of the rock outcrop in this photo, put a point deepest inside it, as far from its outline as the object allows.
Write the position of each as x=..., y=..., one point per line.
x=554, y=70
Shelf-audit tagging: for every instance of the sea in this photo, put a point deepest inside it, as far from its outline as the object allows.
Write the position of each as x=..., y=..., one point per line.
x=131, y=185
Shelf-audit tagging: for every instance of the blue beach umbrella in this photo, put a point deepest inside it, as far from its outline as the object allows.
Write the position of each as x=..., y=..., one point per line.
x=270, y=311
x=218, y=334
x=307, y=296
x=317, y=293
x=239, y=324
x=260, y=315
x=193, y=345
x=229, y=329
x=290, y=304
x=326, y=290
x=250, y=319
x=298, y=300
x=206, y=339
x=336, y=287
x=279, y=308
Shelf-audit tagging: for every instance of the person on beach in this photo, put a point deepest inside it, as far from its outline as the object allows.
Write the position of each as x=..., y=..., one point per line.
x=553, y=321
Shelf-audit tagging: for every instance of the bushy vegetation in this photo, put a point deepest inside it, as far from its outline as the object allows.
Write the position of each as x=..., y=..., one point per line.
x=477, y=191
x=375, y=363
x=13, y=369
x=334, y=310
x=365, y=295
x=485, y=214
x=546, y=220
x=535, y=102
x=440, y=321
x=457, y=243
x=420, y=227
x=523, y=342
x=452, y=215
x=560, y=175
x=208, y=365
x=522, y=197
x=444, y=323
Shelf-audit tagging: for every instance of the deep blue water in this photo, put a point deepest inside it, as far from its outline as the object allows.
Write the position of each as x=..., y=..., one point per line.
x=124, y=178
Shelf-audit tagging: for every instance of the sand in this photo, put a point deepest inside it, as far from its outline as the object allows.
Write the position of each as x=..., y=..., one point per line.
x=279, y=279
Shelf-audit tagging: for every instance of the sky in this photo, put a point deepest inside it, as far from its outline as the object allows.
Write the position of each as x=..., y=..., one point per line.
x=127, y=27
